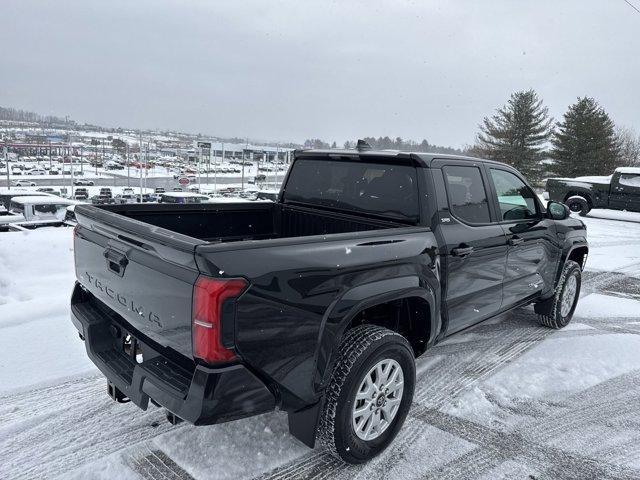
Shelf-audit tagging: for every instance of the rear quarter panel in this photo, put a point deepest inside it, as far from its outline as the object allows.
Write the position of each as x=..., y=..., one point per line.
x=290, y=320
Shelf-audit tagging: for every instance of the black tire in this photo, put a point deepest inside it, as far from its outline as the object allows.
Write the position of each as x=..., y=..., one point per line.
x=361, y=349
x=578, y=204
x=550, y=312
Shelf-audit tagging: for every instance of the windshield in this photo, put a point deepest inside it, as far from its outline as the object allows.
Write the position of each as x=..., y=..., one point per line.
x=374, y=188
x=17, y=208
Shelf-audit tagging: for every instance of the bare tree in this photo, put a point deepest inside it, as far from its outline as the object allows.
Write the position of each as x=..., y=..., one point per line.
x=629, y=142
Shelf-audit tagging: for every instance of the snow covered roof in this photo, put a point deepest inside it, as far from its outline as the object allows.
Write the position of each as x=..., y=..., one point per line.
x=628, y=170
x=42, y=200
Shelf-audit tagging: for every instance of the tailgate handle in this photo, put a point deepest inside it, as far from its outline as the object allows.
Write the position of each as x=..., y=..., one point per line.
x=116, y=261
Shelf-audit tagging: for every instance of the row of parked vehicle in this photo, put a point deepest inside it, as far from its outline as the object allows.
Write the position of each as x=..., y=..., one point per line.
x=19, y=169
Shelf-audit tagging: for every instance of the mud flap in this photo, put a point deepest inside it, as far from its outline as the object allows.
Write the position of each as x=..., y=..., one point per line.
x=304, y=423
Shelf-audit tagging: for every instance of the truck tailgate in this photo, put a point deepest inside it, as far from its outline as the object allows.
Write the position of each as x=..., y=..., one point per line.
x=144, y=273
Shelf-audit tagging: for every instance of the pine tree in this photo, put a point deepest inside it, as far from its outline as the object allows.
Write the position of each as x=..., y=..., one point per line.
x=585, y=142
x=517, y=134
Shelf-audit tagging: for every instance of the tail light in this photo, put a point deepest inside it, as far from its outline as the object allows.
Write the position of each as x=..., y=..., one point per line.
x=211, y=297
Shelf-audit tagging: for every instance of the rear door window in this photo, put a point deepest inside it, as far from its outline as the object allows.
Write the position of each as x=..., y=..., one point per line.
x=630, y=180
x=467, y=194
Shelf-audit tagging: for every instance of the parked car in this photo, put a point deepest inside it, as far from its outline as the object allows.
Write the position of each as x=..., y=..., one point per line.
x=620, y=191
x=24, y=183
x=146, y=198
x=126, y=198
x=36, y=171
x=82, y=181
x=6, y=195
x=102, y=200
x=319, y=303
x=159, y=190
x=33, y=211
x=81, y=193
x=106, y=191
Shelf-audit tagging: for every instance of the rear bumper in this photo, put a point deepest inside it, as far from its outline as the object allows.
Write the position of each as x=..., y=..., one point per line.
x=198, y=394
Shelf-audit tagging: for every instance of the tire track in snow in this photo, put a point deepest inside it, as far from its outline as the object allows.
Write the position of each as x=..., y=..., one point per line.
x=157, y=465
x=495, y=447
x=48, y=432
x=454, y=375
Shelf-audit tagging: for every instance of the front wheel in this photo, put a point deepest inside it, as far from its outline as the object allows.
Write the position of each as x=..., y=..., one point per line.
x=369, y=394
x=557, y=311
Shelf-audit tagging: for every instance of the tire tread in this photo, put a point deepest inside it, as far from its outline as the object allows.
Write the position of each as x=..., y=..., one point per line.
x=353, y=345
x=551, y=318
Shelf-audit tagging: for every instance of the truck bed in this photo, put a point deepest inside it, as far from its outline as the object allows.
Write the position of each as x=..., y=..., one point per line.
x=228, y=222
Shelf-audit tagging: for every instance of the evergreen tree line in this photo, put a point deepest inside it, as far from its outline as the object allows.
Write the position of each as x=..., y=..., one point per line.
x=386, y=143
x=585, y=142
x=16, y=115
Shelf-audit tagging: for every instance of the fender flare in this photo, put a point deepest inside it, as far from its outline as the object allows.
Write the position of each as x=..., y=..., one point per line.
x=566, y=253
x=342, y=311
x=303, y=423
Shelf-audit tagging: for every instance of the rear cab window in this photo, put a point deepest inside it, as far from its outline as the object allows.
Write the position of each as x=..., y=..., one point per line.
x=380, y=189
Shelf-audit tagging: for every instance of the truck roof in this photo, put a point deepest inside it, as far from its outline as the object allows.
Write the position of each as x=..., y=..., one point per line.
x=628, y=170
x=423, y=159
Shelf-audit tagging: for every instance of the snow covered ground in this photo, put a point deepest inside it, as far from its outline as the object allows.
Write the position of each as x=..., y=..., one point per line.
x=507, y=399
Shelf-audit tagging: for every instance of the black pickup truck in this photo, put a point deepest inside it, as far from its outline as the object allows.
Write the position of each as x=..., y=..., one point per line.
x=620, y=191
x=319, y=303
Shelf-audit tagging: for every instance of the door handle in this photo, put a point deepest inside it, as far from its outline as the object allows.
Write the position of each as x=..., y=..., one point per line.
x=515, y=240
x=462, y=251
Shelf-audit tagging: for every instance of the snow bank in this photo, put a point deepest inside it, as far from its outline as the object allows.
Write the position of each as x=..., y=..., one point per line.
x=39, y=344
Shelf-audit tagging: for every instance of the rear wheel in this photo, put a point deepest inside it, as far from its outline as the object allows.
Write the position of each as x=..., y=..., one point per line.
x=557, y=311
x=578, y=204
x=369, y=395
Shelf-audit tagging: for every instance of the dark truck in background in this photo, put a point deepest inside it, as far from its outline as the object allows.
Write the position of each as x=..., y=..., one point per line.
x=620, y=191
x=319, y=303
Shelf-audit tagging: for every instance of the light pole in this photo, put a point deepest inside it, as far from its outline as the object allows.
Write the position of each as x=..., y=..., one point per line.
x=140, y=165
x=242, y=183
x=6, y=162
x=71, y=164
x=128, y=167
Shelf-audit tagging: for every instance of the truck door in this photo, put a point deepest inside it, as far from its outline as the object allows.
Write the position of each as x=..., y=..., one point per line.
x=625, y=191
x=474, y=245
x=531, y=236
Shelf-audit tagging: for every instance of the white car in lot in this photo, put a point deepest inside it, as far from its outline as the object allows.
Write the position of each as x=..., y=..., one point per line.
x=36, y=171
x=81, y=181
x=24, y=183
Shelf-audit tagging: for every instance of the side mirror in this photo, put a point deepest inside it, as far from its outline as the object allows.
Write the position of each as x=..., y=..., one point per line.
x=558, y=211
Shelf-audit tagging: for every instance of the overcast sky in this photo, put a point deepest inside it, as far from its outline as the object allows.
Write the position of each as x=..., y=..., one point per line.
x=290, y=70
